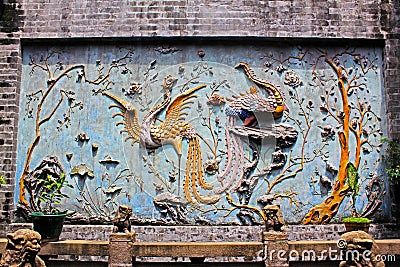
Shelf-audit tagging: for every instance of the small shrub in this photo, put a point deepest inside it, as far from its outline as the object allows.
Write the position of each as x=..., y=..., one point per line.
x=356, y=220
x=51, y=194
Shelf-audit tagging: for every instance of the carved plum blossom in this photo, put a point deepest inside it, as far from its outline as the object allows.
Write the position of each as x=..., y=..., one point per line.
x=134, y=89
x=211, y=166
x=328, y=132
x=292, y=79
x=280, y=68
x=267, y=64
x=216, y=100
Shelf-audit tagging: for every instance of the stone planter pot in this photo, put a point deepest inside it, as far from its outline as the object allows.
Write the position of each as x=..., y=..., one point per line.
x=354, y=226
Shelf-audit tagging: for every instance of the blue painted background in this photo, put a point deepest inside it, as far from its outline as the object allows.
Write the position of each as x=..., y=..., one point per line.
x=137, y=183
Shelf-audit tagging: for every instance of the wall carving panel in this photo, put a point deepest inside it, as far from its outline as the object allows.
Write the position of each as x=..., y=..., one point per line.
x=210, y=134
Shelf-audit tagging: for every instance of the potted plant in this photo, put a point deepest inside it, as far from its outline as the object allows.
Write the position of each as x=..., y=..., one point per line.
x=355, y=222
x=49, y=220
x=392, y=161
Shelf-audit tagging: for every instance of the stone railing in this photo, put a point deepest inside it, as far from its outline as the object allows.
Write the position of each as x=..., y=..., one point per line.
x=123, y=249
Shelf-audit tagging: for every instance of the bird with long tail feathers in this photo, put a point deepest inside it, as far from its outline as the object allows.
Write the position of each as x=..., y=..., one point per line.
x=171, y=131
x=244, y=107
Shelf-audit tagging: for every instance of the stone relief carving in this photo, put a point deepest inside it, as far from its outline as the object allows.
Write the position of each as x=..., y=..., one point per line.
x=200, y=108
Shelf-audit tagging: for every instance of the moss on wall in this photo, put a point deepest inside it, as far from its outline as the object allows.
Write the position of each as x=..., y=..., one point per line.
x=10, y=16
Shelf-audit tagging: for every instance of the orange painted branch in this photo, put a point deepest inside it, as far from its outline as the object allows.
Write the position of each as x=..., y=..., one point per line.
x=21, y=198
x=324, y=212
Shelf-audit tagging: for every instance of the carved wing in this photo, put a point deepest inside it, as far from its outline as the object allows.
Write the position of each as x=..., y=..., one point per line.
x=175, y=113
x=253, y=103
x=129, y=116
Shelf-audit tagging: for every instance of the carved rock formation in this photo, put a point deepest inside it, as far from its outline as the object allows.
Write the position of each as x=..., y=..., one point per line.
x=286, y=135
x=50, y=165
x=375, y=190
x=326, y=182
x=173, y=206
x=278, y=160
x=247, y=182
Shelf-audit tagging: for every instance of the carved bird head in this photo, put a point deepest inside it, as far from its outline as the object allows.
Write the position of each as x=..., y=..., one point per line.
x=242, y=65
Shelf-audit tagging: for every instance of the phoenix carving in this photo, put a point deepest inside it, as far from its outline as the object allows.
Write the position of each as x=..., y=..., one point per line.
x=172, y=130
x=246, y=107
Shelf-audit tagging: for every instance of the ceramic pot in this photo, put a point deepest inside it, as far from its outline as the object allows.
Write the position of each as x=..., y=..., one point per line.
x=49, y=226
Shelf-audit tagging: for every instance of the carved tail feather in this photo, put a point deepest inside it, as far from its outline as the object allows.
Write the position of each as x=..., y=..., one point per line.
x=240, y=150
x=230, y=121
x=194, y=175
x=238, y=162
x=129, y=115
x=199, y=161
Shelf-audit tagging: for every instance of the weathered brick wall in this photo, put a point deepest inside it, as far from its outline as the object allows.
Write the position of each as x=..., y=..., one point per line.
x=392, y=66
x=41, y=19
x=10, y=71
x=279, y=18
x=216, y=233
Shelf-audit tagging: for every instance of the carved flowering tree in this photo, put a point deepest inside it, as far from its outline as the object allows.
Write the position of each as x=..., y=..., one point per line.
x=346, y=112
x=355, y=119
x=41, y=109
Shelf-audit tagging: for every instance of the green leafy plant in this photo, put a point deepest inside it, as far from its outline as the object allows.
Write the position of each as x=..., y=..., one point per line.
x=50, y=196
x=356, y=224
x=392, y=160
x=356, y=220
x=2, y=180
x=352, y=180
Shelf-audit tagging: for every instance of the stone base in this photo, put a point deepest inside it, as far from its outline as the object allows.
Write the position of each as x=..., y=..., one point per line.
x=276, y=248
x=275, y=236
x=120, y=249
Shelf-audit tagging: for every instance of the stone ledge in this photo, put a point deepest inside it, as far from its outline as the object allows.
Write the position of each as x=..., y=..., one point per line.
x=196, y=249
x=211, y=233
